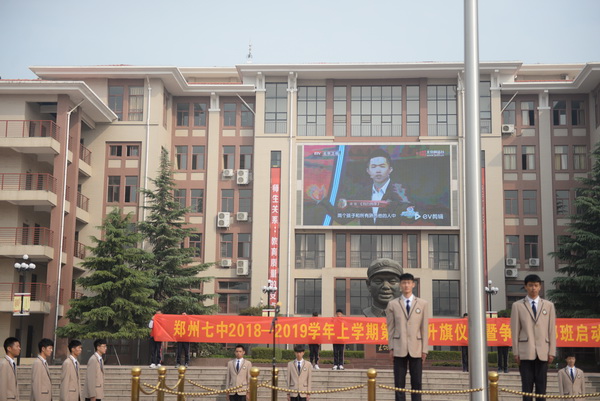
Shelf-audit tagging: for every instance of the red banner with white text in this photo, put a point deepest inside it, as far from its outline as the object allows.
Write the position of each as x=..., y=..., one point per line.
x=348, y=330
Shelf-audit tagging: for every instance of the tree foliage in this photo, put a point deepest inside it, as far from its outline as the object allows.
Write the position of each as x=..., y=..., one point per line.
x=121, y=303
x=176, y=284
x=578, y=287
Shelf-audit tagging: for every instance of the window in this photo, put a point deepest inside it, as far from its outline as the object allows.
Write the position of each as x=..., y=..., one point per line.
x=413, y=110
x=245, y=200
x=561, y=157
x=510, y=158
x=116, y=150
x=339, y=111
x=310, y=251
x=246, y=157
x=227, y=200
x=244, y=245
x=247, y=115
x=352, y=296
x=528, y=157
x=228, y=157
x=446, y=298
x=179, y=196
x=485, y=107
x=441, y=110
x=308, y=296
x=340, y=250
x=512, y=246
x=413, y=251
x=509, y=113
x=531, y=246
x=196, y=245
x=275, y=159
x=131, y=186
x=197, y=157
x=527, y=114
x=126, y=97
x=311, y=111
x=529, y=202
x=199, y=114
x=226, y=245
x=183, y=114
x=114, y=187
x=376, y=111
x=559, y=112
x=197, y=200
x=579, y=157
x=511, y=202
x=365, y=248
x=276, y=108
x=577, y=112
x=181, y=157
x=133, y=150
x=443, y=252
x=562, y=203
x=229, y=114
x=233, y=296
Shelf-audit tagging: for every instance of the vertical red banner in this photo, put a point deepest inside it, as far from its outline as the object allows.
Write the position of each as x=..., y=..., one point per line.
x=275, y=204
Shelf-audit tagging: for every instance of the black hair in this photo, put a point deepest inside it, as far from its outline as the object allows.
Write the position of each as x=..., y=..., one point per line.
x=315, y=314
x=298, y=348
x=98, y=343
x=73, y=344
x=380, y=153
x=45, y=342
x=9, y=342
x=407, y=276
x=339, y=311
x=241, y=346
x=533, y=278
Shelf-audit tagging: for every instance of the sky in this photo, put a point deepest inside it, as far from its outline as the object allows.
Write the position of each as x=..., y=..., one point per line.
x=199, y=33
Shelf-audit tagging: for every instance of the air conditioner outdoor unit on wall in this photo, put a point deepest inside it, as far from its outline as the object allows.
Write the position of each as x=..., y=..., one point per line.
x=242, y=268
x=225, y=262
x=511, y=272
x=511, y=262
x=508, y=128
x=243, y=177
x=534, y=262
x=241, y=216
x=223, y=219
x=228, y=173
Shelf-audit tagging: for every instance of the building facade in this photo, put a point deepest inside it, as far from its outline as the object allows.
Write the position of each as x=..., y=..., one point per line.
x=273, y=161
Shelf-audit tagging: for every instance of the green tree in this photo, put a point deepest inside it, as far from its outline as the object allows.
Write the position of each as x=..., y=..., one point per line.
x=121, y=304
x=578, y=288
x=175, y=278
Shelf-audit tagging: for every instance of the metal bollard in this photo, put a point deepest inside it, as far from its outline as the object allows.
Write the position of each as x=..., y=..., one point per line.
x=371, y=384
x=135, y=383
x=162, y=377
x=493, y=377
x=254, y=372
x=181, y=385
x=275, y=384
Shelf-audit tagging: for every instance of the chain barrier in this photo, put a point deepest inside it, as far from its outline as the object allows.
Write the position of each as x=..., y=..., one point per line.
x=431, y=392
x=335, y=390
x=186, y=394
x=506, y=390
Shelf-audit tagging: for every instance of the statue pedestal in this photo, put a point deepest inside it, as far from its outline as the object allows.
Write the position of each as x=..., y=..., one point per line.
x=377, y=351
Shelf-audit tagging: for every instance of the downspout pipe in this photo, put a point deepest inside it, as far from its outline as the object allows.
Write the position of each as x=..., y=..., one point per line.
x=146, y=154
x=292, y=88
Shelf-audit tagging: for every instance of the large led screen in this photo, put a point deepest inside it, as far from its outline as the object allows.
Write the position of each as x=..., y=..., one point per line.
x=390, y=185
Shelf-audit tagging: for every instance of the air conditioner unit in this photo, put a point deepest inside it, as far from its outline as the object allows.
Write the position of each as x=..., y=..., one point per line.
x=228, y=173
x=511, y=262
x=511, y=273
x=242, y=268
x=223, y=219
x=508, y=128
x=225, y=262
x=243, y=177
x=534, y=262
x=241, y=216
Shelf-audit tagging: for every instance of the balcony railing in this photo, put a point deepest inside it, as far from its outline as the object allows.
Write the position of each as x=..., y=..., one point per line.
x=26, y=236
x=85, y=154
x=38, y=291
x=79, y=250
x=27, y=182
x=82, y=201
x=28, y=129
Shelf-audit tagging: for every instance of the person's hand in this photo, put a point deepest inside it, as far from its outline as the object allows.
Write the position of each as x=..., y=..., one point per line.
x=392, y=354
x=288, y=396
x=550, y=358
x=423, y=356
x=401, y=192
x=517, y=359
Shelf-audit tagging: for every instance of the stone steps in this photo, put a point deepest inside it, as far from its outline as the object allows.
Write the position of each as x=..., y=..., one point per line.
x=118, y=383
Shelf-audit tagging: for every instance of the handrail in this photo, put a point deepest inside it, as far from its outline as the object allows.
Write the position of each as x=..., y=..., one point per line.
x=28, y=129
x=27, y=182
x=26, y=236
